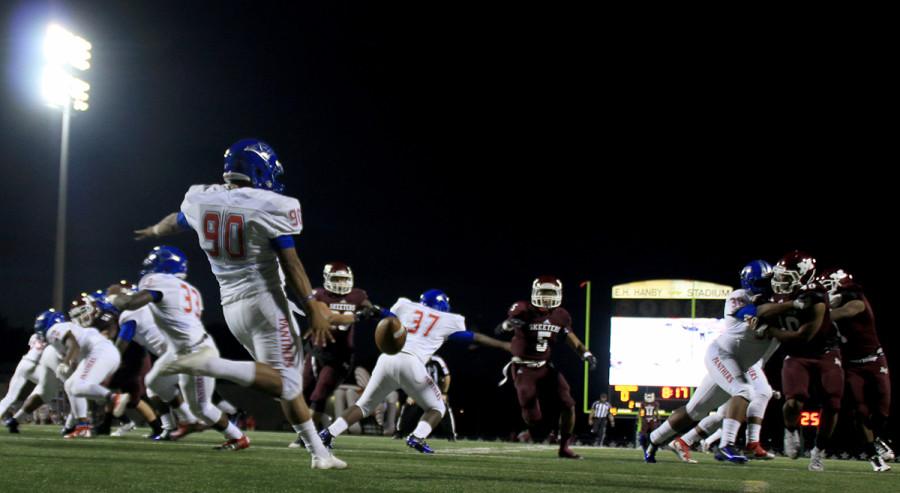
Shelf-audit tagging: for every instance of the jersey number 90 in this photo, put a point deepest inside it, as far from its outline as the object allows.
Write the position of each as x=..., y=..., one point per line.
x=227, y=235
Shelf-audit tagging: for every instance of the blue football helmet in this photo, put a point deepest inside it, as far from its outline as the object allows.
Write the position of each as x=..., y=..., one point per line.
x=437, y=299
x=254, y=161
x=756, y=277
x=103, y=304
x=166, y=259
x=47, y=319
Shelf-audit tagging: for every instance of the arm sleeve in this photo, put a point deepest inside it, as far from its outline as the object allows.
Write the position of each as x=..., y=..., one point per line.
x=462, y=336
x=183, y=222
x=126, y=330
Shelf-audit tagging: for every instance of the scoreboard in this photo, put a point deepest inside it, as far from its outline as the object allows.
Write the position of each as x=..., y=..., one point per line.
x=659, y=333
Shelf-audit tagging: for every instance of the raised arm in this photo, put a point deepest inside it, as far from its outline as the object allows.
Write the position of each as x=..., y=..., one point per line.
x=167, y=226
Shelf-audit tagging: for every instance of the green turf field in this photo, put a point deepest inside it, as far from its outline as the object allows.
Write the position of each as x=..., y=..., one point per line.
x=38, y=461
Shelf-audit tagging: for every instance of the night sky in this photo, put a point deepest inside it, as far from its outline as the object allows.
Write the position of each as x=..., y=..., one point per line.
x=468, y=148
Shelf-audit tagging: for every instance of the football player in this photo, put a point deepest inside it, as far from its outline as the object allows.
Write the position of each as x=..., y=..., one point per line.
x=649, y=416
x=177, y=308
x=25, y=371
x=88, y=358
x=536, y=327
x=47, y=384
x=810, y=342
x=865, y=367
x=728, y=362
x=247, y=228
x=327, y=365
x=428, y=324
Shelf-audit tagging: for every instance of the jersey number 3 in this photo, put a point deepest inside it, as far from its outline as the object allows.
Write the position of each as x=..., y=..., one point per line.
x=225, y=235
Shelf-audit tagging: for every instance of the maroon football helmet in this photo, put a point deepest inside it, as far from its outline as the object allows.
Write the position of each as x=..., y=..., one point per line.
x=835, y=279
x=792, y=272
x=338, y=278
x=546, y=292
x=84, y=311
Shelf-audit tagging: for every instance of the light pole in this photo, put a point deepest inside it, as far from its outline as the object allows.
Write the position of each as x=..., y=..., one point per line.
x=64, y=51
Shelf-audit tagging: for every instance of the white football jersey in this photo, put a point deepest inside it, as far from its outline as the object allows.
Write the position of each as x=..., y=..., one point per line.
x=737, y=339
x=146, y=333
x=87, y=338
x=235, y=227
x=178, y=313
x=36, y=346
x=426, y=328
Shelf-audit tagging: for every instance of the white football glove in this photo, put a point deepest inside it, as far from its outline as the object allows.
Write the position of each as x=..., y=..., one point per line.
x=62, y=371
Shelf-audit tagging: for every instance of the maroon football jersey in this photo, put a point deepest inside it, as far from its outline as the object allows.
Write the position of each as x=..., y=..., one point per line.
x=826, y=337
x=858, y=336
x=348, y=303
x=534, y=339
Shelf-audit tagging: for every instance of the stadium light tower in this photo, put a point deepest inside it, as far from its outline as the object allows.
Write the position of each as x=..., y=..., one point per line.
x=64, y=53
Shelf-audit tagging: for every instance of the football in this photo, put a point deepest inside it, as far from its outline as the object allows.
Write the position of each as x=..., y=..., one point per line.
x=390, y=336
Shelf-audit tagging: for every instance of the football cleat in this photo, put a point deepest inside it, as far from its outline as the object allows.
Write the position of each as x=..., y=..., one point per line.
x=82, y=430
x=327, y=438
x=119, y=403
x=730, y=453
x=165, y=436
x=815, y=460
x=878, y=464
x=682, y=450
x=186, y=429
x=792, y=444
x=567, y=453
x=12, y=424
x=884, y=450
x=124, y=429
x=298, y=443
x=190, y=364
x=755, y=450
x=419, y=444
x=330, y=462
x=649, y=452
x=235, y=444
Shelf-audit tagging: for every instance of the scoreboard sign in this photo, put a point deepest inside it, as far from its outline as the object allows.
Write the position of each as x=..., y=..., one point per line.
x=659, y=333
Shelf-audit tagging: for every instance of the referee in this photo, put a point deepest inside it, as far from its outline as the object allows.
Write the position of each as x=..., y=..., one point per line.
x=598, y=419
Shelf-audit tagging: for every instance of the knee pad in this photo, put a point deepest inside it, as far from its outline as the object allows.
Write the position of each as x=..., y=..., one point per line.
x=291, y=384
x=442, y=408
x=745, y=391
x=758, y=404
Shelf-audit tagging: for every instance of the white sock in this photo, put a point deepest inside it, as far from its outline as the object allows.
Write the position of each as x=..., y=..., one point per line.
x=70, y=421
x=183, y=414
x=714, y=437
x=662, y=435
x=240, y=372
x=753, y=432
x=730, y=428
x=339, y=426
x=691, y=437
x=167, y=423
x=423, y=429
x=19, y=414
x=312, y=440
x=226, y=407
x=232, y=432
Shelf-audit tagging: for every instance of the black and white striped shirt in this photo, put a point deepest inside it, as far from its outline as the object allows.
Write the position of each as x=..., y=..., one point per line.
x=600, y=409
